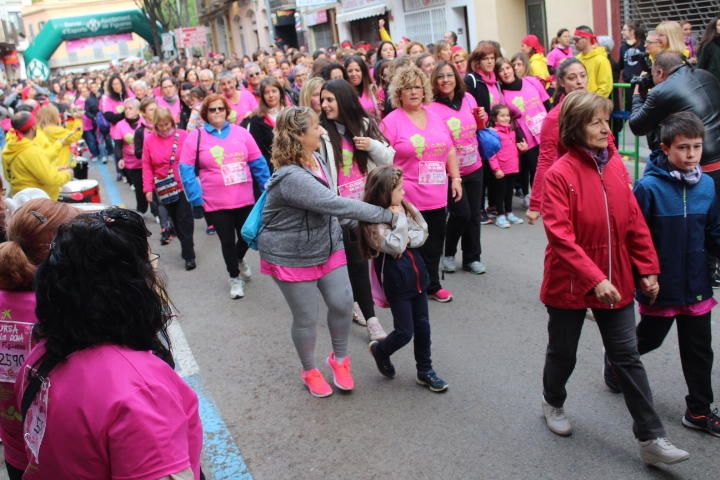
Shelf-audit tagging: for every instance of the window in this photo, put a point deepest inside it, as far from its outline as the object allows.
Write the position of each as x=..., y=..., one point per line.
x=323, y=35
x=427, y=26
x=536, y=24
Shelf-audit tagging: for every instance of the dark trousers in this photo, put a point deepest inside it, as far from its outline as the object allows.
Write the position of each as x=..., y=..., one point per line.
x=433, y=248
x=488, y=187
x=181, y=214
x=228, y=224
x=504, y=188
x=464, y=221
x=696, y=354
x=105, y=144
x=134, y=176
x=410, y=319
x=14, y=473
x=92, y=143
x=359, y=273
x=617, y=328
x=117, y=152
x=528, y=164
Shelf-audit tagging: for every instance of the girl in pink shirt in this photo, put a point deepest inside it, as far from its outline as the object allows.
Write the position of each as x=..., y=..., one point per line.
x=30, y=230
x=562, y=51
x=102, y=322
x=169, y=98
x=131, y=164
x=359, y=77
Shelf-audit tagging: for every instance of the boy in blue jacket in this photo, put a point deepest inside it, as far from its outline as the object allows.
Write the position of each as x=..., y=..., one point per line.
x=681, y=208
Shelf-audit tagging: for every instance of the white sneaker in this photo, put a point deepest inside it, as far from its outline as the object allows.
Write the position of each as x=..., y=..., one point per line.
x=447, y=264
x=556, y=419
x=526, y=201
x=660, y=450
x=375, y=330
x=357, y=315
x=237, y=288
x=245, y=271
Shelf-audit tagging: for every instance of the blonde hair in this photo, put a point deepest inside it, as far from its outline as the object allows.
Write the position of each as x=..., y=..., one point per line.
x=414, y=44
x=291, y=124
x=47, y=115
x=675, y=37
x=405, y=77
x=307, y=90
x=577, y=112
x=163, y=114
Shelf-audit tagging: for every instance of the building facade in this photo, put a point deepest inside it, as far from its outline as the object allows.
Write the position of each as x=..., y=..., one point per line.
x=236, y=27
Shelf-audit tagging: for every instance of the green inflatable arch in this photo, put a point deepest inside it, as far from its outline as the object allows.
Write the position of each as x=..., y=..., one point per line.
x=58, y=30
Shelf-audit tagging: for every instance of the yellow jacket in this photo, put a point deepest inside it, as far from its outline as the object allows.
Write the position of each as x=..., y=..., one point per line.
x=25, y=165
x=55, y=141
x=539, y=67
x=385, y=36
x=599, y=71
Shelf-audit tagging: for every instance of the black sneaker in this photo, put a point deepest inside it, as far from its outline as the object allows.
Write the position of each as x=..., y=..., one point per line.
x=709, y=423
x=190, y=264
x=610, y=375
x=716, y=279
x=383, y=362
x=432, y=381
x=484, y=218
x=165, y=236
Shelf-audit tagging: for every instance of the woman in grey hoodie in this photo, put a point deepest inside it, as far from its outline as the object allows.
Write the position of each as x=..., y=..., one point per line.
x=301, y=244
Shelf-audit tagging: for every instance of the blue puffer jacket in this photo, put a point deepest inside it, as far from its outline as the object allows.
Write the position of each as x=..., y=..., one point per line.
x=685, y=223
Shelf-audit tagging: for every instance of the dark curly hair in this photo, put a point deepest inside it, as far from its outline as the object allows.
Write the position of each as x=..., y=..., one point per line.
x=98, y=286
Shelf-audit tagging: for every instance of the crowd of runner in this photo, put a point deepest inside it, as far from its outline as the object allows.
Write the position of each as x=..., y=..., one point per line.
x=356, y=172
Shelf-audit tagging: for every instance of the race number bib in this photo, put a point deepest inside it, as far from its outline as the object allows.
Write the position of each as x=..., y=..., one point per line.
x=467, y=156
x=354, y=190
x=535, y=122
x=432, y=173
x=36, y=421
x=15, y=340
x=234, y=173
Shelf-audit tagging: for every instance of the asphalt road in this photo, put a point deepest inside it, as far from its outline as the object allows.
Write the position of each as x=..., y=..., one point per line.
x=488, y=344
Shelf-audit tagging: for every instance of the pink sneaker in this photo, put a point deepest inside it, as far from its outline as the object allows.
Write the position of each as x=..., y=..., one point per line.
x=342, y=377
x=316, y=383
x=442, y=296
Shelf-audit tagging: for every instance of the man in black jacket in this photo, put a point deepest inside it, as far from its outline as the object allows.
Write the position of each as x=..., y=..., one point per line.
x=680, y=88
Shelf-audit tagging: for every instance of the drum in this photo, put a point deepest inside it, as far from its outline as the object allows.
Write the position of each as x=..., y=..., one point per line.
x=80, y=170
x=80, y=191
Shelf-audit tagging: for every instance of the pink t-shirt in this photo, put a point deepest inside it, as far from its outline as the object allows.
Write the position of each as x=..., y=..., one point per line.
x=694, y=310
x=350, y=180
x=157, y=151
x=557, y=56
x=463, y=127
x=112, y=413
x=246, y=103
x=107, y=104
x=174, y=108
x=17, y=317
x=225, y=175
x=529, y=101
x=87, y=123
x=304, y=274
x=127, y=134
x=422, y=155
x=368, y=104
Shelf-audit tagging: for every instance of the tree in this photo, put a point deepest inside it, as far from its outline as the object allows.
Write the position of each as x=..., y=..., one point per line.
x=165, y=12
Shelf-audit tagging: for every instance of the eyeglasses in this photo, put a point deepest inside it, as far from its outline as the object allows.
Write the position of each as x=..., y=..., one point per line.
x=256, y=74
x=216, y=109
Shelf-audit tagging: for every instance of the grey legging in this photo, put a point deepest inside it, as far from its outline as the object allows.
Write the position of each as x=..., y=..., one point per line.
x=304, y=301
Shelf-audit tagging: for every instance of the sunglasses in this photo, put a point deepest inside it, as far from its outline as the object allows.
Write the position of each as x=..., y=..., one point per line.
x=256, y=74
x=216, y=109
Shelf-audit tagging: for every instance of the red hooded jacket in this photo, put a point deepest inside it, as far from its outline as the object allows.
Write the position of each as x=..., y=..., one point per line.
x=595, y=231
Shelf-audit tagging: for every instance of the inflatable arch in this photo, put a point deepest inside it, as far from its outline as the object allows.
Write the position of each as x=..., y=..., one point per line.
x=55, y=31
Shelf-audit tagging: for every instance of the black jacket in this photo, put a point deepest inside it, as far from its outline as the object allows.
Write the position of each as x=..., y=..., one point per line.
x=477, y=88
x=709, y=58
x=263, y=135
x=686, y=89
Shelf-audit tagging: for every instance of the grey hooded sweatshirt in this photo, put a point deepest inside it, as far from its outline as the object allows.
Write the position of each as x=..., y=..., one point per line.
x=300, y=218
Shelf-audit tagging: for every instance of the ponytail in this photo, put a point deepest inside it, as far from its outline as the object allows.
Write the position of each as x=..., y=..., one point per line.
x=16, y=270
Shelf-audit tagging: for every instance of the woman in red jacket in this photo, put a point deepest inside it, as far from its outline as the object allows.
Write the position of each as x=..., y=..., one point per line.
x=598, y=242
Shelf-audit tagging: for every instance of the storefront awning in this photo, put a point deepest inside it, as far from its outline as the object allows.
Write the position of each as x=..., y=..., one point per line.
x=365, y=12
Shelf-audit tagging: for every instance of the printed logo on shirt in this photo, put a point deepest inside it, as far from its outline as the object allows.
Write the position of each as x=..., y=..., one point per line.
x=233, y=115
x=218, y=153
x=347, y=161
x=418, y=141
x=455, y=126
x=519, y=102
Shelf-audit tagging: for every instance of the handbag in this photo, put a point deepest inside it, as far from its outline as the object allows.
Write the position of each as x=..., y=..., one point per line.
x=167, y=188
x=253, y=224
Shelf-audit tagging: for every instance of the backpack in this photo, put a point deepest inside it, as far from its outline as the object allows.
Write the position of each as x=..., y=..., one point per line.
x=101, y=122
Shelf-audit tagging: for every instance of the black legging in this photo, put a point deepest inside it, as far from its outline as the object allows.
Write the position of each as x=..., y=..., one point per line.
x=359, y=272
x=134, y=176
x=433, y=248
x=117, y=152
x=181, y=214
x=228, y=224
x=528, y=164
x=464, y=221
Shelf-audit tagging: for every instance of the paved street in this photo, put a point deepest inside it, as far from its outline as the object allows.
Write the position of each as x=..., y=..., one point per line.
x=488, y=344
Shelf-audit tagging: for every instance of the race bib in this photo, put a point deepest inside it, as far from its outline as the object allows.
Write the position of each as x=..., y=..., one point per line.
x=467, y=156
x=432, y=173
x=234, y=173
x=36, y=421
x=15, y=340
x=354, y=190
x=535, y=122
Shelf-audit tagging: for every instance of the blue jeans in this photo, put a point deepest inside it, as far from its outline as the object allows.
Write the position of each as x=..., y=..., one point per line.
x=410, y=319
x=92, y=143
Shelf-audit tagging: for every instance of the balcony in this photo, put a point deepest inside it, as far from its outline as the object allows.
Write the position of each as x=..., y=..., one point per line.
x=8, y=34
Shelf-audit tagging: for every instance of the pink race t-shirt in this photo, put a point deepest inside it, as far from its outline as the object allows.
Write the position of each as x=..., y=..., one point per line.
x=174, y=107
x=350, y=180
x=529, y=101
x=111, y=413
x=368, y=104
x=225, y=174
x=463, y=127
x=17, y=317
x=157, y=154
x=422, y=155
x=246, y=103
x=127, y=134
x=113, y=106
x=87, y=123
